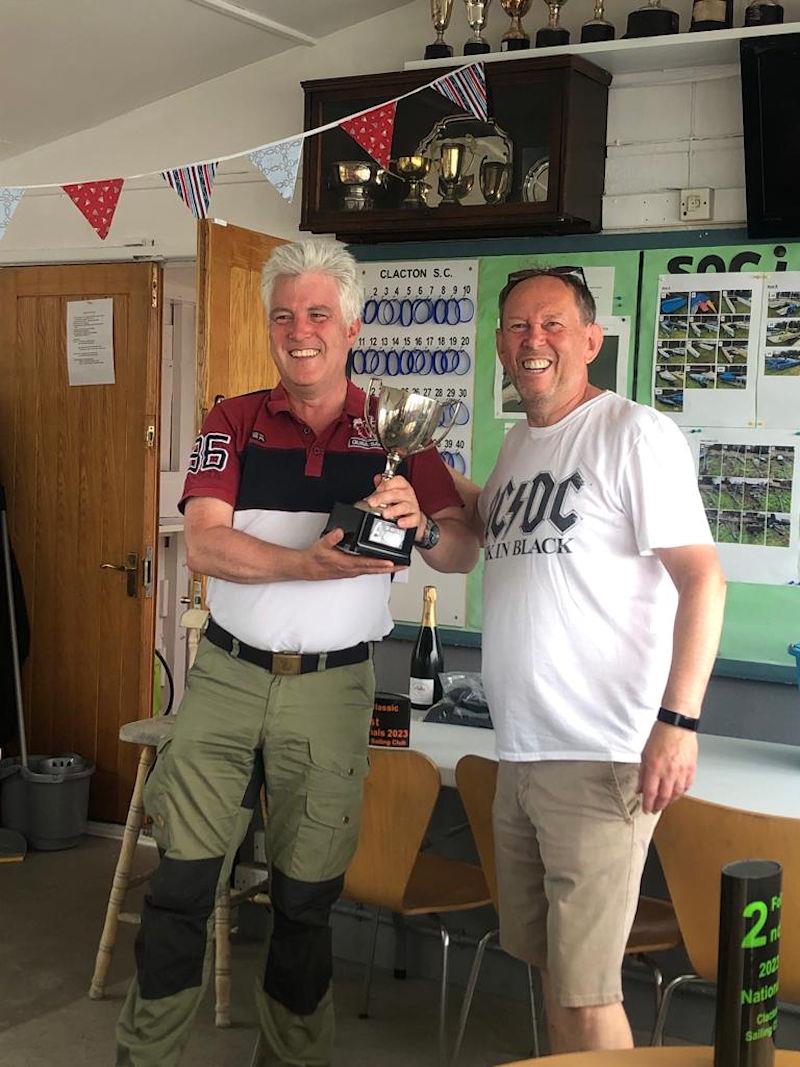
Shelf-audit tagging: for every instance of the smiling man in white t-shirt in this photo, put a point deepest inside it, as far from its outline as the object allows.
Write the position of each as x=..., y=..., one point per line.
x=603, y=601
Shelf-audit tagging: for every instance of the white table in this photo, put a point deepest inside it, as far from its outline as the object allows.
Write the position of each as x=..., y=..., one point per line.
x=752, y=775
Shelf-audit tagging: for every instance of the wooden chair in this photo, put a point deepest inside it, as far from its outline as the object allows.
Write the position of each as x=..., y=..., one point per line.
x=389, y=871
x=695, y=839
x=655, y=927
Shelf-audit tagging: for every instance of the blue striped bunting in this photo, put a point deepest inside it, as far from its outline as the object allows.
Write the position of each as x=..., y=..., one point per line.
x=193, y=184
x=466, y=88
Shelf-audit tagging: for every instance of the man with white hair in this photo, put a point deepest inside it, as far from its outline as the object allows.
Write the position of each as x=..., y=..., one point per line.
x=282, y=689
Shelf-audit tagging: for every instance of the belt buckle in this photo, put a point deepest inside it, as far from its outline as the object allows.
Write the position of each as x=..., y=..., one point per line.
x=286, y=662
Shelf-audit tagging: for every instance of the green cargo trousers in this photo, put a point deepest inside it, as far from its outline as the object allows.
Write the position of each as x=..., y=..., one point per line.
x=305, y=736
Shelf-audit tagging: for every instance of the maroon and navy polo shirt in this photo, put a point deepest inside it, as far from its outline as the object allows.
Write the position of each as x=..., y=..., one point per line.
x=282, y=480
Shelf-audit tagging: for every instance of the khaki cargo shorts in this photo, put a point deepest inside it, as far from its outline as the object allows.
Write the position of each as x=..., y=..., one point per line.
x=570, y=846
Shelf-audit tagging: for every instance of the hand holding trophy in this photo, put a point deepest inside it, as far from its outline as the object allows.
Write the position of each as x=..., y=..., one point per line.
x=404, y=423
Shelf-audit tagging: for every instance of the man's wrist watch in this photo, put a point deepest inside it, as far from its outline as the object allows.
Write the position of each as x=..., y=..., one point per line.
x=674, y=718
x=430, y=535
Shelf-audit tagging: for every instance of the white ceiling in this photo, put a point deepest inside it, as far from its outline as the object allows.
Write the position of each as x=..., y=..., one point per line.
x=67, y=65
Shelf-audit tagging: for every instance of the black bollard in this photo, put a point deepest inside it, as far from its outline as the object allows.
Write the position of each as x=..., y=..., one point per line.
x=747, y=973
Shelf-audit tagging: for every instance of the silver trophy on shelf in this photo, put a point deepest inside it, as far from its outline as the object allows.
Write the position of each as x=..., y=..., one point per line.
x=495, y=180
x=404, y=423
x=358, y=183
x=454, y=183
x=441, y=10
x=477, y=13
x=414, y=170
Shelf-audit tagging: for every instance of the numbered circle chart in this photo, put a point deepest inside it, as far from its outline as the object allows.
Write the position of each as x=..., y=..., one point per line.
x=418, y=333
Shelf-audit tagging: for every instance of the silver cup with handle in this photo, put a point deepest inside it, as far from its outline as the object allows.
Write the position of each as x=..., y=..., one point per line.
x=403, y=423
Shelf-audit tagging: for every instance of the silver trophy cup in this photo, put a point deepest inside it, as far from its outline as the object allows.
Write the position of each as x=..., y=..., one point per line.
x=404, y=423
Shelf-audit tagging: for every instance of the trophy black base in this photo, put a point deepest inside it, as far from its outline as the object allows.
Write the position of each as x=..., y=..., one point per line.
x=652, y=22
x=368, y=534
x=548, y=36
x=438, y=51
x=476, y=48
x=756, y=14
x=592, y=32
x=514, y=44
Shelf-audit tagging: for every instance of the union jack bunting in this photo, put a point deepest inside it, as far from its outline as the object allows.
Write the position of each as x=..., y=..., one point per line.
x=467, y=88
x=193, y=185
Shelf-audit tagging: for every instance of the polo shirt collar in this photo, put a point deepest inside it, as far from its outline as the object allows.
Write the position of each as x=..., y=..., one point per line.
x=353, y=401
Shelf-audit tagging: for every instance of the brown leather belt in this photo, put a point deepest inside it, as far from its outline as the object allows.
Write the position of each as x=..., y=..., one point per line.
x=285, y=662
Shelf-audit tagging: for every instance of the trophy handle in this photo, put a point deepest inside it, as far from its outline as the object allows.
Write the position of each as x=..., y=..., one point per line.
x=371, y=394
x=436, y=441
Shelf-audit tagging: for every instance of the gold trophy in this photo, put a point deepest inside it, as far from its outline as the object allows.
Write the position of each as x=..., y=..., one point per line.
x=515, y=37
x=454, y=184
x=598, y=28
x=359, y=182
x=404, y=423
x=441, y=11
x=477, y=12
x=414, y=170
x=495, y=179
x=552, y=33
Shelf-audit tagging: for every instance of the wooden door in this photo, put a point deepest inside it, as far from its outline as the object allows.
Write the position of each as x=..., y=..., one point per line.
x=80, y=466
x=232, y=339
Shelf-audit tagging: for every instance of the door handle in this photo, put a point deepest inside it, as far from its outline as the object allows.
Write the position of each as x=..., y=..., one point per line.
x=130, y=569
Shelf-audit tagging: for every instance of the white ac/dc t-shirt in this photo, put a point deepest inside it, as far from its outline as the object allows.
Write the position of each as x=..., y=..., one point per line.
x=578, y=611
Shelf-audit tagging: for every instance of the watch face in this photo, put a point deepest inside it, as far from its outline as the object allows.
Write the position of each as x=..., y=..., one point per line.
x=431, y=534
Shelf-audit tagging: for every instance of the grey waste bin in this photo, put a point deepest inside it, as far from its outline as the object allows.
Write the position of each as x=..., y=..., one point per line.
x=49, y=801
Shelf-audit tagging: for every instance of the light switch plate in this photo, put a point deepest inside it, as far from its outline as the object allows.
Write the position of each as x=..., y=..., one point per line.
x=697, y=205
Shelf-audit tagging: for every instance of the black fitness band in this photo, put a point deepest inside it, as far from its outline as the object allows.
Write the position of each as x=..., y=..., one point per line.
x=674, y=718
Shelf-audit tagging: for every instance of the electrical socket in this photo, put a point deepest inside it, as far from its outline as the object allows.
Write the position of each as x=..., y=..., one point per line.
x=249, y=875
x=259, y=847
x=697, y=205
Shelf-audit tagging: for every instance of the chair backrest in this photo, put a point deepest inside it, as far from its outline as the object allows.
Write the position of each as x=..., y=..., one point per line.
x=476, y=778
x=399, y=797
x=695, y=839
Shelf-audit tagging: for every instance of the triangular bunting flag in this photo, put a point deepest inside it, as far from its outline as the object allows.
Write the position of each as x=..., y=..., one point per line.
x=9, y=200
x=193, y=185
x=374, y=131
x=278, y=163
x=97, y=202
x=467, y=88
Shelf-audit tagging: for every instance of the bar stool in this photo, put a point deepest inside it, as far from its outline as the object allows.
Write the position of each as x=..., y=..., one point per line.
x=147, y=733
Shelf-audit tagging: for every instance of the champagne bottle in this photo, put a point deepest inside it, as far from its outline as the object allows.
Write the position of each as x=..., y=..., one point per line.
x=426, y=660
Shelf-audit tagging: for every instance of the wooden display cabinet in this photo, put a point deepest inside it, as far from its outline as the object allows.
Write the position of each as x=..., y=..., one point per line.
x=551, y=108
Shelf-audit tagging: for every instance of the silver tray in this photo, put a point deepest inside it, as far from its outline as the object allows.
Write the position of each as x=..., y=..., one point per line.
x=485, y=140
x=535, y=182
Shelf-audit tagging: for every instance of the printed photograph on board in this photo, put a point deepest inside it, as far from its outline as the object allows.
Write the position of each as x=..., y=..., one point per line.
x=783, y=333
x=704, y=302
x=672, y=327
x=669, y=400
x=782, y=361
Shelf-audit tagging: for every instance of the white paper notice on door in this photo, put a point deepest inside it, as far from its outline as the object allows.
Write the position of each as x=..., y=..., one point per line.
x=90, y=342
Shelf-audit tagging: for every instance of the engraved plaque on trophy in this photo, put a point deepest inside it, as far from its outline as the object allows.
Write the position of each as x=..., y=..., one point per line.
x=404, y=423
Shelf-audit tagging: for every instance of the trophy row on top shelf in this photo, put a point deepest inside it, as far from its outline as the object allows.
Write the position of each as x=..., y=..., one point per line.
x=650, y=20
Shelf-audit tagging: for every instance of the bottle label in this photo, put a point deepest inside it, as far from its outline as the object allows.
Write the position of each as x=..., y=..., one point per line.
x=421, y=690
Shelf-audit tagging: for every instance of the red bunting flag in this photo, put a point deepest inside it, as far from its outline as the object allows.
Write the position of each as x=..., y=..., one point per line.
x=374, y=131
x=97, y=201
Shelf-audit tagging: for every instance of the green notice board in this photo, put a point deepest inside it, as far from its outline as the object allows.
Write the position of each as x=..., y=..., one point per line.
x=488, y=432
x=760, y=620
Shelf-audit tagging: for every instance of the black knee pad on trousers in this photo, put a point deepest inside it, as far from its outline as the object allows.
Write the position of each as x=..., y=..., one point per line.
x=300, y=963
x=171, y=942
